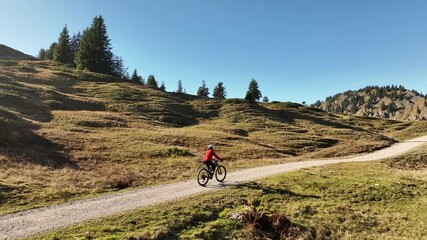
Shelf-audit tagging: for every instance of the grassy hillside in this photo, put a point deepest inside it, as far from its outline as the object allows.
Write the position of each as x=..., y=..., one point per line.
x=66, y=134
x=333, y=202
x=8, y=53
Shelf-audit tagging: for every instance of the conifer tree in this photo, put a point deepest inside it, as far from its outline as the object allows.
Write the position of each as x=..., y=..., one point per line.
x=179, y=90
x=94, y=52
x=253, y=94
x=62, y=52
x=49, y=52
x=151, y=82
x=390, y=108
x=266, y=100
x=119, y=69
x=318, y=103
x=135, y=77
x=203, y=91
x=219, y=91
x=42, y=54
x=382, y=106
x=75, y=43
x=162, y=86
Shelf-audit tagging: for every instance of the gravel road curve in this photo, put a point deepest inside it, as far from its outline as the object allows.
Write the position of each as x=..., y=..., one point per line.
x=32, y=222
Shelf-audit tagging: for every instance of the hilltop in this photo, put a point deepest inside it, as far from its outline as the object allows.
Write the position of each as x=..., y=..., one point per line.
x=66, y=133
x=8, y=53
x=391, y=102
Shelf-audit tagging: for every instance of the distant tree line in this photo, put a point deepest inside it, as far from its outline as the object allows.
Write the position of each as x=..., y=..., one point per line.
x=91, y=50
x=253, y=94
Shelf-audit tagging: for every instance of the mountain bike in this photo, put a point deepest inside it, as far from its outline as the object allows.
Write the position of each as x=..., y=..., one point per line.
x=204, y=174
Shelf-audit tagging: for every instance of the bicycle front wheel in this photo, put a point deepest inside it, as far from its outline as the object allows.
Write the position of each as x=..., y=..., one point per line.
x=220, y=173
x=203, y=177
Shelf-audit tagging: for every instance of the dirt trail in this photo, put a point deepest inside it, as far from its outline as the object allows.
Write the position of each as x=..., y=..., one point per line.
x=32, y=222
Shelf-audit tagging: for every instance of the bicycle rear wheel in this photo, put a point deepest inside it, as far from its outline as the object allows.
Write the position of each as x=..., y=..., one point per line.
x=220, y=173
x=203, y=177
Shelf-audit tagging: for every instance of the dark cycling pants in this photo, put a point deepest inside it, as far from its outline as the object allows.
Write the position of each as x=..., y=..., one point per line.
x=210, y=165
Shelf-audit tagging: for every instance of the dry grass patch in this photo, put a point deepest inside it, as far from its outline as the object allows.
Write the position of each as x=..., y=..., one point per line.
x=111, y=134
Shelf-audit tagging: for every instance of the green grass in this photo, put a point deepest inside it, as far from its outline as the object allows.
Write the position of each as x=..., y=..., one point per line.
x=416, y=160
x=334, y=202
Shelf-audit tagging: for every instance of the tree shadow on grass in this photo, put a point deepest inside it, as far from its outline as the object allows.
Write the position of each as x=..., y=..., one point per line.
x=19, y=143
x=5, y=190
x=39, y=151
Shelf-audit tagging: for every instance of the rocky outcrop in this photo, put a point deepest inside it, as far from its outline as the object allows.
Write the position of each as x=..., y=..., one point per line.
x=390, y=102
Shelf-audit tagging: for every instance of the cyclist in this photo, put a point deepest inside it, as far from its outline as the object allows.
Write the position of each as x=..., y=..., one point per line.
x=207, y=159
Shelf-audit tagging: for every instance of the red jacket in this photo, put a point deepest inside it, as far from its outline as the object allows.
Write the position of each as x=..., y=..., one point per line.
x=209, y=154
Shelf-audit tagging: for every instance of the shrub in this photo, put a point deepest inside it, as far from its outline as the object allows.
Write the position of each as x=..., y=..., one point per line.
x=174, y=151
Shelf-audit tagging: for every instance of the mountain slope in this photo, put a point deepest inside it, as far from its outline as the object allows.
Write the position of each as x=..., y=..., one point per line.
x=8, y=53
x=66, y=134
x=390, y=102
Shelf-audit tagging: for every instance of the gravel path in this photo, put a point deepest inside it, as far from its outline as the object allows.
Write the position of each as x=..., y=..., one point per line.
x=32, y=222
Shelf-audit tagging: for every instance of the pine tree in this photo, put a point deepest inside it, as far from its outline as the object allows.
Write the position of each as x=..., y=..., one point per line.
x=151, y=82
x=135, y=77
x=219, y=91
x=42, y=54
x=203, y=91
x=62, y=52
x=49, y=52
x=391, y=108
x=382, y=106
x=75, y=43
x=119, y=69
x=94, y=52
x=253, y=94
x=162, y=86
x=318, y=103
x=179, y=90
x=265, y=99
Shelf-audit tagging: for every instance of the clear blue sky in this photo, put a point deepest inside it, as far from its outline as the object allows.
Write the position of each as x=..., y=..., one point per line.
x=301, y=50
